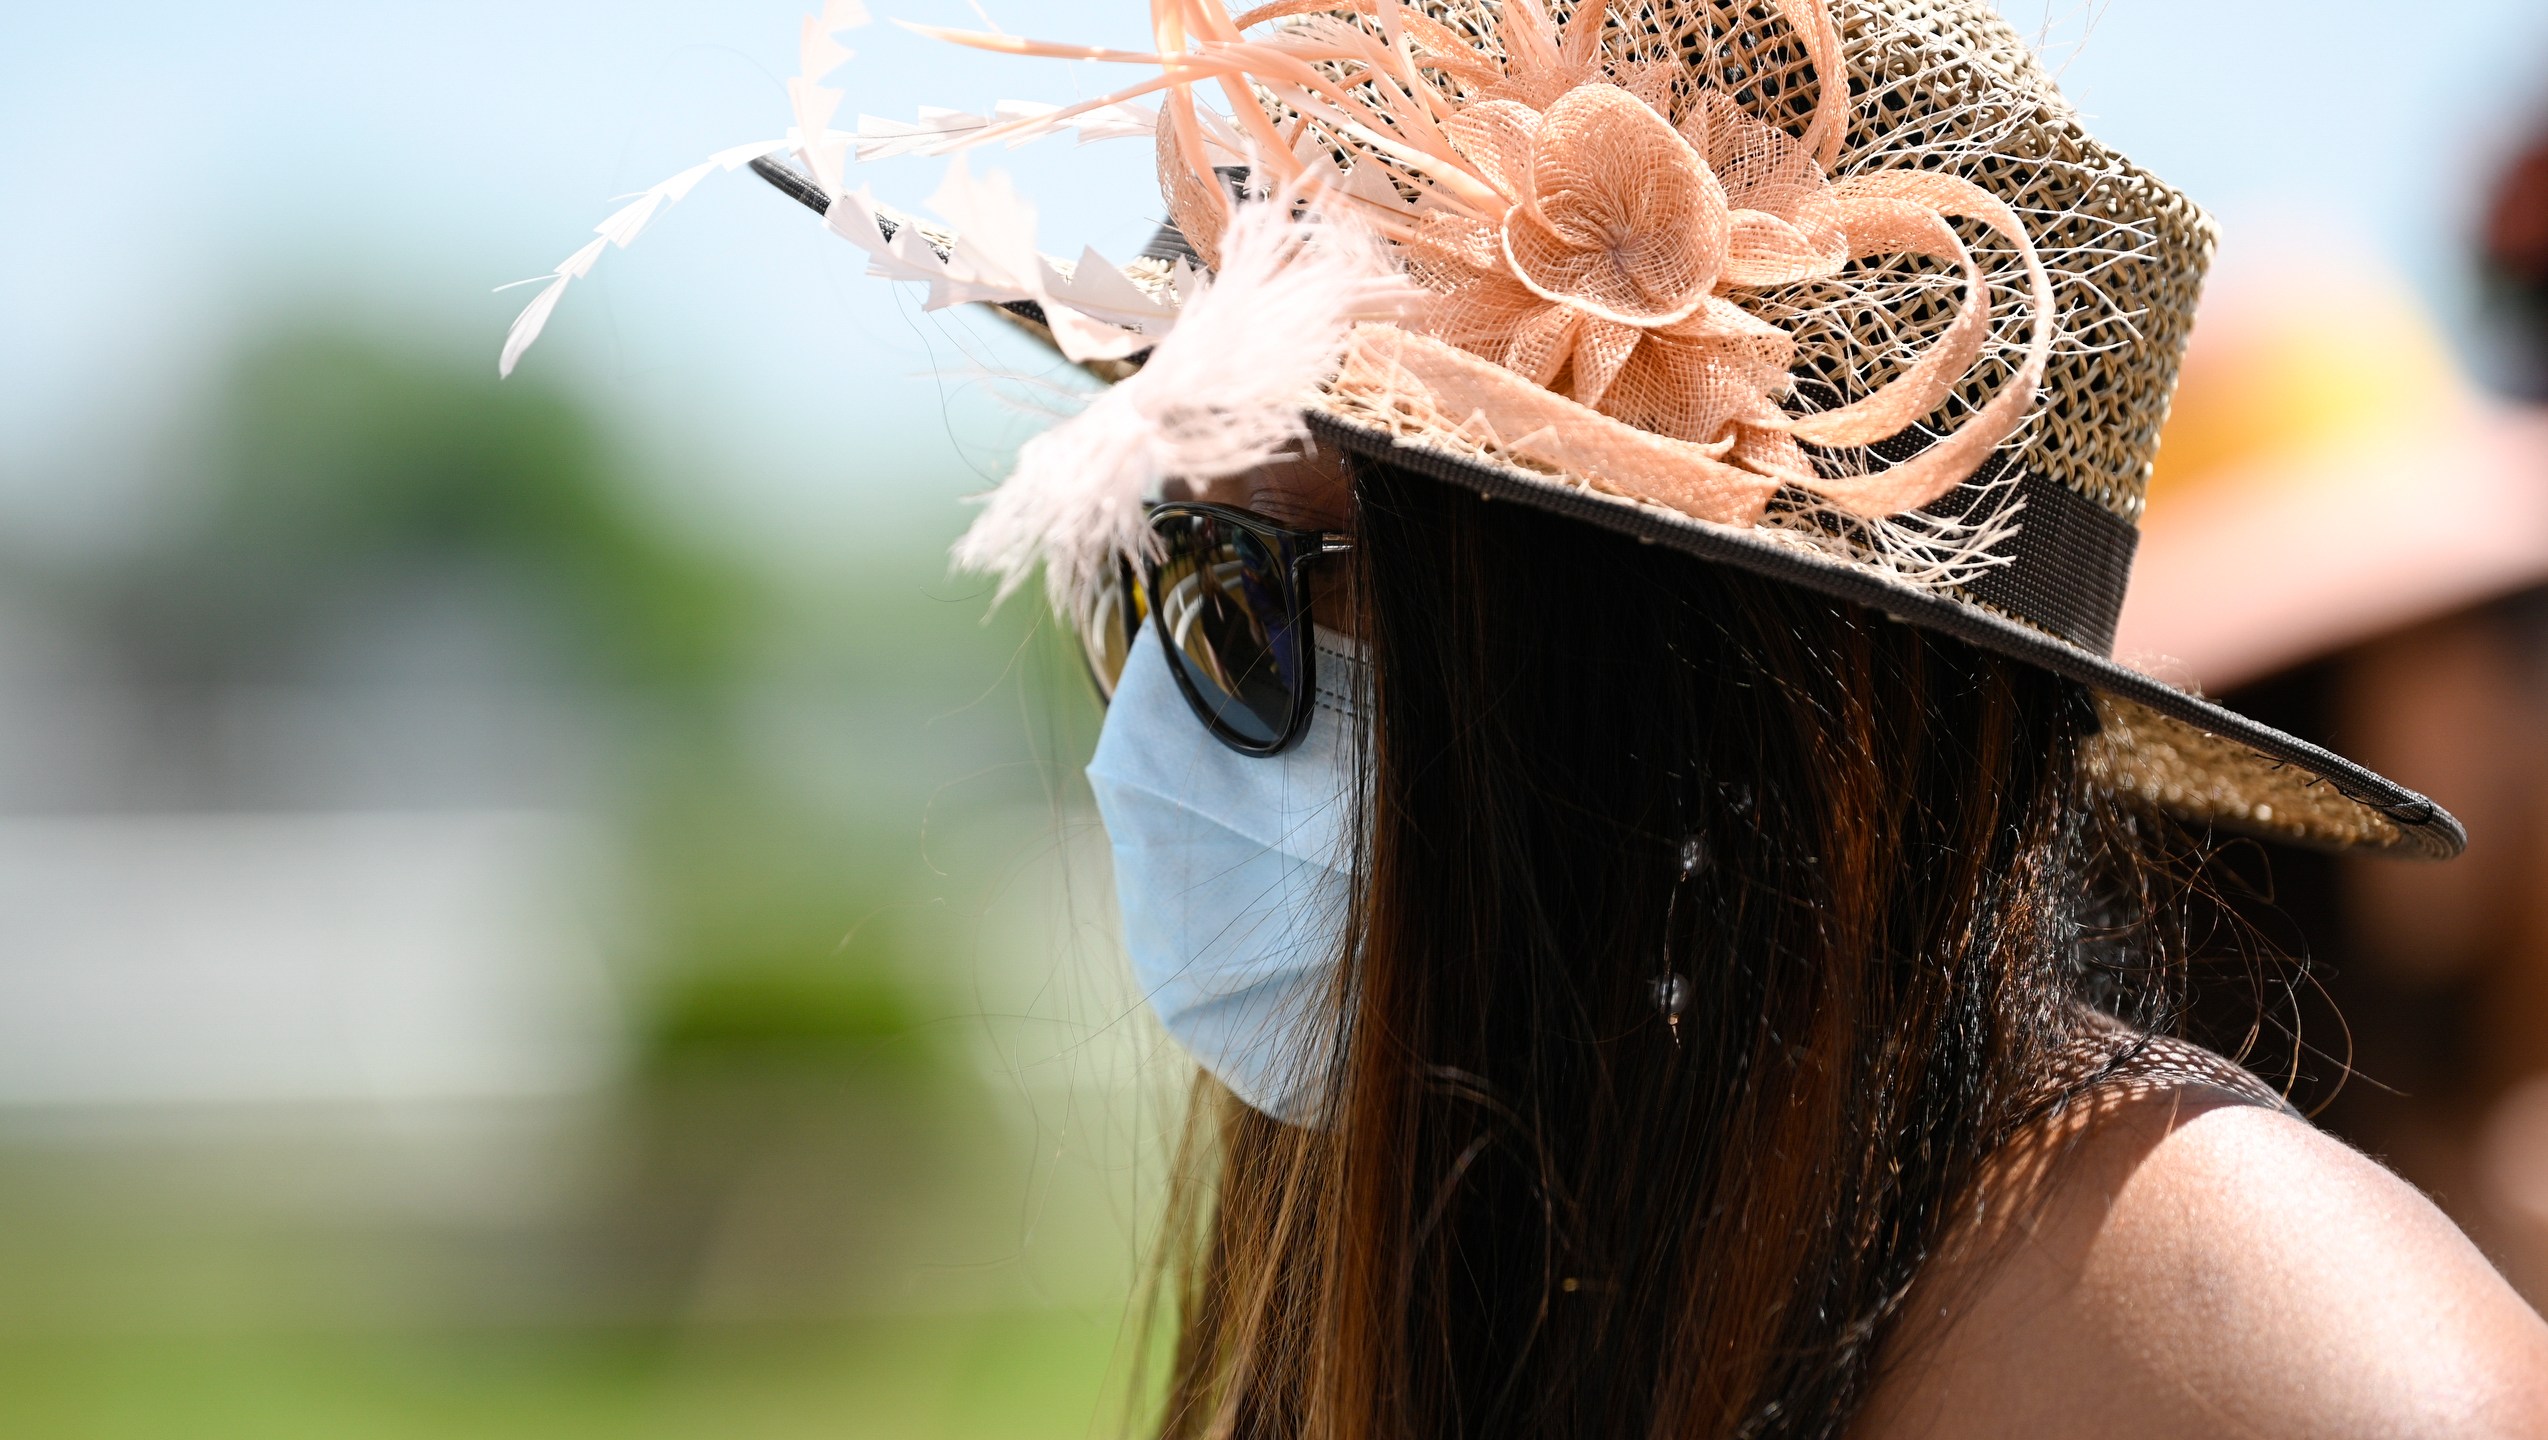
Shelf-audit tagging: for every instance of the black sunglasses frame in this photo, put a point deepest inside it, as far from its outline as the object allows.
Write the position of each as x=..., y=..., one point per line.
x=1294, y=550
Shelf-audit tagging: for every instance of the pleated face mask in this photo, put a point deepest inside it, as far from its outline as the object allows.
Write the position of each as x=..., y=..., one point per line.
x=1233, y=874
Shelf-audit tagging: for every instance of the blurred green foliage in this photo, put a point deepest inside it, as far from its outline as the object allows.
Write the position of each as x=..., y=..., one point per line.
x=787, y=1006
x=778, y=933
x=1022, y=1376
x=811, y=784
x=334, y=459
x=340, y=464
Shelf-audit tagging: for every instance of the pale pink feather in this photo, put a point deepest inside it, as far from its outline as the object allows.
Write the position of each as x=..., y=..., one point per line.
x=1224, y=393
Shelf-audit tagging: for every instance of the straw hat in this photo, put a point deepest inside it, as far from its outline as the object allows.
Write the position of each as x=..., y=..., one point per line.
x=1839, y=292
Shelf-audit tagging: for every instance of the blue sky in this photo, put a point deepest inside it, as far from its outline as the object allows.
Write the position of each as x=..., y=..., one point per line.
x=181, y=174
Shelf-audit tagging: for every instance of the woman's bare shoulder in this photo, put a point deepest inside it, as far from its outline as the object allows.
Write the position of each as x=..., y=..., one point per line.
x=2180, y=1255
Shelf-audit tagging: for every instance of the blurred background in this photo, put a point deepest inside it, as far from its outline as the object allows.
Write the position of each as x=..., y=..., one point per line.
x=540, y=909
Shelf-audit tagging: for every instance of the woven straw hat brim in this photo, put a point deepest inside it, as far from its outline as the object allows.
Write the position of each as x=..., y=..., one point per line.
x=2161, y=746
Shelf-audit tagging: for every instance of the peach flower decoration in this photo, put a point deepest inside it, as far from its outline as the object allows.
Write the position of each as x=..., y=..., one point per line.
x=1587, y=253
x=1609, y=279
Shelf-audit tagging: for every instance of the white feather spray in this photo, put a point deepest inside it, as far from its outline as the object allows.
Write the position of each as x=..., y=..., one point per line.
x=1222, y=394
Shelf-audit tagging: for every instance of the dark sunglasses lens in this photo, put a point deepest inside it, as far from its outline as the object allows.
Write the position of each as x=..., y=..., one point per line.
x=1105, y=638
x=1220, y=595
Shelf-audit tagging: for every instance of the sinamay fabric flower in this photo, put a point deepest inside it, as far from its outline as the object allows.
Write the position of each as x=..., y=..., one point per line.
x=1614, y=279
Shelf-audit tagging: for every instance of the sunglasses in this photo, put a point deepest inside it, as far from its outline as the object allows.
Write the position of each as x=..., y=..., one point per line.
x=1227, y=591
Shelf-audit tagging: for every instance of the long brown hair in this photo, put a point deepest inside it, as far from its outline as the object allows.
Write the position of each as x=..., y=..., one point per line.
x=1535, y=1206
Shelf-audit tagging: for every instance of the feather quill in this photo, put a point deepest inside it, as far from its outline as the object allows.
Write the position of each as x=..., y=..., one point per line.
x=622, y=227
x=990, y=258
x=940, y=131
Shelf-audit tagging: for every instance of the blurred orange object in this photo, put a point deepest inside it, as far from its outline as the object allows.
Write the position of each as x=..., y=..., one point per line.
x=2327, y=476
x=2344, y=530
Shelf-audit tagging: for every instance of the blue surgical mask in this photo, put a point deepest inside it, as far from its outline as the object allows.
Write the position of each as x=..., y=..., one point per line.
x=1233, y=874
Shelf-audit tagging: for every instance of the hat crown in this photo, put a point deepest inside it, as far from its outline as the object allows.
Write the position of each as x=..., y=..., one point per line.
x=1927, y=323
x=1950, y=85
x=2127, y=251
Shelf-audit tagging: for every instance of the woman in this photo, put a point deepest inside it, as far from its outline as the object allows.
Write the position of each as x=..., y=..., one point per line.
x=1881, y=1167
x=1615, y=766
